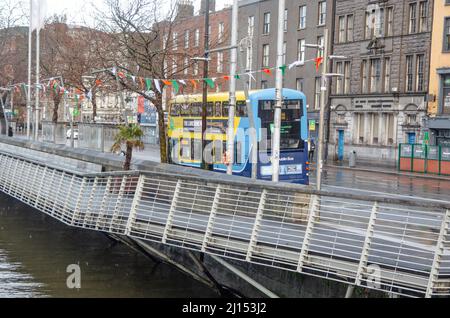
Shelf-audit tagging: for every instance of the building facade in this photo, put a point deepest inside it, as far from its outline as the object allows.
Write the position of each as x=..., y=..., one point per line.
x=304, y=23
x=185, y=39
x=439, y=101
x=380, y=101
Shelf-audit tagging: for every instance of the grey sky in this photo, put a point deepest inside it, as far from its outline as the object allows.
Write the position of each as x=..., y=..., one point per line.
x=76, y=9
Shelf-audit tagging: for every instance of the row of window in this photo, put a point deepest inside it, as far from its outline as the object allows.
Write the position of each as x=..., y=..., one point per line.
x=379, y=22
x=301, y=52
x=321, y=18
x=376, y=75
x=374, y=128
x=187, y=37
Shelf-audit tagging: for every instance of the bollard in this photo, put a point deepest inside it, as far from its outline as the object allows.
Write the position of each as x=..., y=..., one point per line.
x=352, y=160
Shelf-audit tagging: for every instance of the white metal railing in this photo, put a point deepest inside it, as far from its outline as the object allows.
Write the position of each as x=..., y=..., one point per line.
x=397, y=246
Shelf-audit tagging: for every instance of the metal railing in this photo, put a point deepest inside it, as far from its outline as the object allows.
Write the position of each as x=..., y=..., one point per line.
x=397, y=246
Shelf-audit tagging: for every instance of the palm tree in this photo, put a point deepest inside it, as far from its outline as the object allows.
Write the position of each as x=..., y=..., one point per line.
x=131, y=136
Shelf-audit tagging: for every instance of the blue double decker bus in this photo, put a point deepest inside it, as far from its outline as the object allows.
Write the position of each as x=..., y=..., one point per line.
x=184, y=133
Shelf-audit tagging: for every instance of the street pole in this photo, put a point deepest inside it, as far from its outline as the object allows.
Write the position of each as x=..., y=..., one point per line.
x=30, y=31
x=232, y=105
x=252, y=130
x=205, y=166
x=276, y=137
x=323, y=90
x=36, y=129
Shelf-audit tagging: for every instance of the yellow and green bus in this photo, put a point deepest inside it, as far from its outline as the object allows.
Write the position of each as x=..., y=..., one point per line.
x=185, y=132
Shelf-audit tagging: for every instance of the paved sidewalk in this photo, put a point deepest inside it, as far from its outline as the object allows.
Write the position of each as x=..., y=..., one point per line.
x=384, y=170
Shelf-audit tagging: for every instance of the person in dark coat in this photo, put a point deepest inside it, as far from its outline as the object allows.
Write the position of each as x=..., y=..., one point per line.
x=10, y=132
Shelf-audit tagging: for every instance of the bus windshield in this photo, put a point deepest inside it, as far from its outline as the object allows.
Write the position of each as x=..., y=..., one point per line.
x=291, y=115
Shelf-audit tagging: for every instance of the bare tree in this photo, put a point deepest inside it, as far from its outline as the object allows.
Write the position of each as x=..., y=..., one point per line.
x=140, y=43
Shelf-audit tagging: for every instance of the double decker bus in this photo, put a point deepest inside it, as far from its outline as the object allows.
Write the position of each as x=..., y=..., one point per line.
x=185, y=132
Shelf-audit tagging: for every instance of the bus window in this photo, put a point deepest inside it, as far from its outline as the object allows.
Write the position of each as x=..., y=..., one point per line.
x=290, y=125
x=209, y=109
x=241, y=109
x=185, y=152
x=218, y=151
x=225, y=108
x=175, y=110
x=185, y=110
x=218, y=109
x=196, y=110
x=197, y=150
x=238, y=152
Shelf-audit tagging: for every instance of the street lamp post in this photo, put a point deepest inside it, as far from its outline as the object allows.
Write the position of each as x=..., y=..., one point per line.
x=279, y=96
x=204, y=165
x=323, y=90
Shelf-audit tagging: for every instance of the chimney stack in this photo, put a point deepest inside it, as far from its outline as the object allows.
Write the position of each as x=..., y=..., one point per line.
x=185, y=9
x=212, y=6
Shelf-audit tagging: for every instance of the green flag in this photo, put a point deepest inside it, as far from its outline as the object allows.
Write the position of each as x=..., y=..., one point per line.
x=210, y=82
x=148, y=81
x=176, y=87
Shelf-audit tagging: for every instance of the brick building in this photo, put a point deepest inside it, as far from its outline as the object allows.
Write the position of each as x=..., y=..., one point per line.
x=381, y=100
x=185, y=41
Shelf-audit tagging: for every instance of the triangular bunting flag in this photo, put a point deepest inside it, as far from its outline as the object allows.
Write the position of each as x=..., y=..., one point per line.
x=194, y=83
x=210, y=82
x=318, y=62
x=227, y=78
x=157, y=85
x=167, y=83
x=267, y=71
x=141, y=80
x=148, y=81
x=183, y=82
x=283, y=69
x=176, y=87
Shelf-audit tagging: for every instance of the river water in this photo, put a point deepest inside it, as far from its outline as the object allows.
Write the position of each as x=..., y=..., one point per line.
x=36, y=250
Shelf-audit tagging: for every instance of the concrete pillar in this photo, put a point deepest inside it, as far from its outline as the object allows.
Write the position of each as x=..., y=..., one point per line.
x=367, y=128
x=381, y=130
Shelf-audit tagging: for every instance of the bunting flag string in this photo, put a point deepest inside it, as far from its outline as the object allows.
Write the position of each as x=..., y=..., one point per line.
x=149, y=83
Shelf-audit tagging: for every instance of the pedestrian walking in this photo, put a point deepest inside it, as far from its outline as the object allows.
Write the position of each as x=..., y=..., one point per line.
x=312, y=149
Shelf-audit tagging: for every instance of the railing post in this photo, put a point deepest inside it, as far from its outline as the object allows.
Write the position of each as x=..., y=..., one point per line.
x=172, y=210
x=89, y=211
x=434, y=274
x=38, y=194
x=135, y=205
x=363, y=262
x=23, y=183
x=212, y=217
x=13, y=185
x=66, y=200
x=118, y=202
x=313, y=215
x=257, y=226
x=49, y=183
x=57, y=194
x=76, y=211
x=103, y=204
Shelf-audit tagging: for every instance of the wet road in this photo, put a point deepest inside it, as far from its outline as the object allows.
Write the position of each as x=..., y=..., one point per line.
x=375, y=183
x=35, y=251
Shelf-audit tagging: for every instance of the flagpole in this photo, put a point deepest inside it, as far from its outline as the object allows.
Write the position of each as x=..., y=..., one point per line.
x=36, y=131
x=29, y=73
